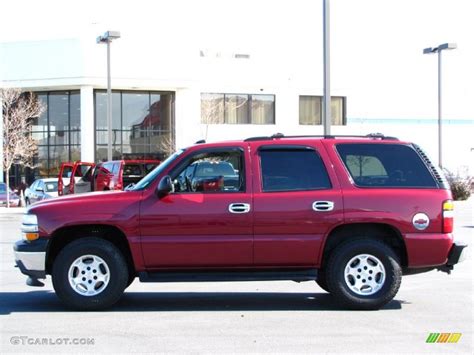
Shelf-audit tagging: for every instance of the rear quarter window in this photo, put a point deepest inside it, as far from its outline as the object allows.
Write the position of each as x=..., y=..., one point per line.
x=385, y=165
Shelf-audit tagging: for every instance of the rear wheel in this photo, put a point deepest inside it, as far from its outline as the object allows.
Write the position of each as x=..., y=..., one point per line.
x=363, y=274
x=90, y=274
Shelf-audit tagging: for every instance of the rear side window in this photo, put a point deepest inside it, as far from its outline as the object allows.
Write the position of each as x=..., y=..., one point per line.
x=296, y=169
x=385, y=165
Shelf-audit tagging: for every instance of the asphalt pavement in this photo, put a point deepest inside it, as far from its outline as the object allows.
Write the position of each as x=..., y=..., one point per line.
x=240, y=317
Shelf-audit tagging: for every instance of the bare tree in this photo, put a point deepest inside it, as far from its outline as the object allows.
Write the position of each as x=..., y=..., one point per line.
x=19, y=147
x=212, y=110
x=166, y=145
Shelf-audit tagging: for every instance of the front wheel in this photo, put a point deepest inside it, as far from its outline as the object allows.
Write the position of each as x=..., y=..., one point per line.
x=363, y=274
x=90, y=274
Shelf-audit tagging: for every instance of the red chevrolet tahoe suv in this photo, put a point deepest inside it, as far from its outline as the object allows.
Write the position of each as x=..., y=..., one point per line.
x=353, y=214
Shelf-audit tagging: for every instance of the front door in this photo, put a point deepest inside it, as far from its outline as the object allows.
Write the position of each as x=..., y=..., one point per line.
x=207, y=220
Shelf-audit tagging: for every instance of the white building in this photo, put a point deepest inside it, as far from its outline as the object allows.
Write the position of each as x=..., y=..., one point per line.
x=250, y=69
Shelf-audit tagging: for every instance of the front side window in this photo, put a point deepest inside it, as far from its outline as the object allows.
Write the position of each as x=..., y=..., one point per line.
x=385, y=165
x=295, y=169
x=211, y=172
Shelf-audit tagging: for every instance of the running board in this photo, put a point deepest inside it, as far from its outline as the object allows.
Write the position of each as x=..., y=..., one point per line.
x=213, y=276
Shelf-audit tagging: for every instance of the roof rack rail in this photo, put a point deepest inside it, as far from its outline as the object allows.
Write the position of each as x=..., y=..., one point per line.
x=280, y=135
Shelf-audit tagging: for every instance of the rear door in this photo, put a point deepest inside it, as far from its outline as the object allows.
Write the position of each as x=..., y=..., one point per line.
x=297, y=200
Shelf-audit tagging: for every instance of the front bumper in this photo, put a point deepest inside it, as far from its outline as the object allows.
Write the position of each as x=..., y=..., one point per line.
x=30, y=257
x=456, y=255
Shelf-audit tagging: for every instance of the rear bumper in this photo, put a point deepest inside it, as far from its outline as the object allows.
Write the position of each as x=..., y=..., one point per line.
x=428, y=250
x=456, y=255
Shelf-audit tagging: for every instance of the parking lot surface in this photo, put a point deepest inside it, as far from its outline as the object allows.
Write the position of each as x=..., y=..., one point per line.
x=240, y=317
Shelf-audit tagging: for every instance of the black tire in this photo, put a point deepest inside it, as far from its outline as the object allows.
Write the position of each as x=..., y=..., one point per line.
x=339, y=287
x=321, y=281
x=108, y=293
x=130, y=280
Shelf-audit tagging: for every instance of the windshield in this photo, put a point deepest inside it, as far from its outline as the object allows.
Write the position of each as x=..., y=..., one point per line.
x=147, y=180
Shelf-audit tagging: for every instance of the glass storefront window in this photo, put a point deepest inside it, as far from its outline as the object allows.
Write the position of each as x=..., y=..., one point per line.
x=56, y=131
x=237, y=109
x=311, y=109
x=263, y=109
x=142, y=121
x=135, y=107
x=101, y=110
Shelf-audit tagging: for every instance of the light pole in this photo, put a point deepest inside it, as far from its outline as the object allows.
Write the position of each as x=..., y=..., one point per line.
x=107, y=38
x=438, y=50
x=327, y=80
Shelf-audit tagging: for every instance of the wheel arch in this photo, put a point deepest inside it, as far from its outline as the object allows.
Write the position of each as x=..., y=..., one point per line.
x=378, y=231
x=63, y=236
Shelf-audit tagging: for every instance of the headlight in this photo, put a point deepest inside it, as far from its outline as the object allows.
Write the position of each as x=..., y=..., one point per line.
x=29, y=227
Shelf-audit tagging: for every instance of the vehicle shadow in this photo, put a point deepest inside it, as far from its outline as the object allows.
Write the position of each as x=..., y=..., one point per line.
x=47, y=301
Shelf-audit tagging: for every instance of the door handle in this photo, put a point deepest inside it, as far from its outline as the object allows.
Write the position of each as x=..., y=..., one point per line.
x=239, y=208
x=323, y=206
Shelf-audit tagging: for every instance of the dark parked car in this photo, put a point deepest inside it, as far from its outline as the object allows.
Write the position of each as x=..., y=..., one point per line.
x=209, y=176
x=41, y=189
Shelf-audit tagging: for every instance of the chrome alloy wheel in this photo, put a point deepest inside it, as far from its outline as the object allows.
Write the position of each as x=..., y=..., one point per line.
x=89, y=275
x=364, y=274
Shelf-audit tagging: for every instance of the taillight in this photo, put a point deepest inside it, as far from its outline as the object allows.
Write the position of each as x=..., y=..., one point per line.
x=448, y=216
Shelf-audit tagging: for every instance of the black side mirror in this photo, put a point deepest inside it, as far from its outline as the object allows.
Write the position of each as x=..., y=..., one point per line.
x=165, y=186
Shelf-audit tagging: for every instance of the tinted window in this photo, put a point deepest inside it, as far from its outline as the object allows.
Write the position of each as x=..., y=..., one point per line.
x=385, y=165
x=292, y=170
x=149, y=167
x=132, y=170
